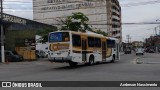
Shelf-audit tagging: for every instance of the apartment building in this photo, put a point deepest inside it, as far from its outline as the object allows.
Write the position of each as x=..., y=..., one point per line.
x=103, y=15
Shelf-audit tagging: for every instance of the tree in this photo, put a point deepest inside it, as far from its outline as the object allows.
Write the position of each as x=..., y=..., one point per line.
x=101, y=32
x=76, y=22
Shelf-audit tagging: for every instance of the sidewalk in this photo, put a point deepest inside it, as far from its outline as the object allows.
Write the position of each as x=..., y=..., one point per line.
x=121, y=53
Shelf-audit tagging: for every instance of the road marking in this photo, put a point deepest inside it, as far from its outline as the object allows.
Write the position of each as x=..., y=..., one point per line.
x=136, y=61
x=152, y=62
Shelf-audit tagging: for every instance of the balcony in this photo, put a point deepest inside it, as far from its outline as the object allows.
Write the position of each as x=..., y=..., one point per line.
x=116, y=17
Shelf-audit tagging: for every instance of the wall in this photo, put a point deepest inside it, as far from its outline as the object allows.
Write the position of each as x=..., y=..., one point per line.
x=13, y=35
x=53, y=11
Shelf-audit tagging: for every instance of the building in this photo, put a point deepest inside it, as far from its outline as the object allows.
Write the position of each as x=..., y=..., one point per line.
x=153, y=42
x=137, y=44
x=104, y=15
x=20, y=28
x=20, y=32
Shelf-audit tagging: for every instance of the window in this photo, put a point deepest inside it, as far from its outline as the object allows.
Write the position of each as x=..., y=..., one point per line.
x=59, y=37
x=94, y=42
x=97, y=42
x=50, y=1
x=7, y=53
x=90, y=42
x=76, y=40
x=111, y=43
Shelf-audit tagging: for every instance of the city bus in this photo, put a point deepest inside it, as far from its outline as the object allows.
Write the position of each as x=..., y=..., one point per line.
x=86, y=48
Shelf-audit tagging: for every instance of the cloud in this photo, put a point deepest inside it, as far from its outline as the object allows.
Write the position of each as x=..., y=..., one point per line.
x=21, y=8
x=142, y=13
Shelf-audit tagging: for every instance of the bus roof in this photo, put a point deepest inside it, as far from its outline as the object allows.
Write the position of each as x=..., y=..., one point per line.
x=89, y=33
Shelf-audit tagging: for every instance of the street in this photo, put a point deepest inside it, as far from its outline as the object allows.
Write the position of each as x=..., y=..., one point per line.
x=125, y=69
x=129, y=68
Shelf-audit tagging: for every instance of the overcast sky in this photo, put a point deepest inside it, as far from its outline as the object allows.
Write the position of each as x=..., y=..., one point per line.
x=141, y=13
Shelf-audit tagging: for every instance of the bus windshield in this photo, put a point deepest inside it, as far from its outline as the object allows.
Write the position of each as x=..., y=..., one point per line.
x=59, y=37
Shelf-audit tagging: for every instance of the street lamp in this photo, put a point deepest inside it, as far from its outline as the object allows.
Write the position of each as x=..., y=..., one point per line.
x=2, y=34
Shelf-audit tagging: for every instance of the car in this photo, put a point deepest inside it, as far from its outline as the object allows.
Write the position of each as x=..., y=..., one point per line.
x=12, y=56
x=128, y=51
x=151, y=51
x=159, y=50
x=139, y=51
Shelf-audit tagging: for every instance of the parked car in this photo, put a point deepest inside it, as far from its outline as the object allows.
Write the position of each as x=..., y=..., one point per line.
x=12, y=56
x=139, y=51
x=159, y=50
x=128, y=51
x=151, y=51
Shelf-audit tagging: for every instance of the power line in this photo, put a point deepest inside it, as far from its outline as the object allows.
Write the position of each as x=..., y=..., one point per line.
x=141, y=23
x=147, y=23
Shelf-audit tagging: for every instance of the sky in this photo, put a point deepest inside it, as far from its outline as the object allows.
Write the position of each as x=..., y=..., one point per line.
x=140, y=13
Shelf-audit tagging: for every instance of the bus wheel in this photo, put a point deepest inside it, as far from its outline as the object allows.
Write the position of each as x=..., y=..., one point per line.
x=113, y=59
x=72, y=64
x=91, y=60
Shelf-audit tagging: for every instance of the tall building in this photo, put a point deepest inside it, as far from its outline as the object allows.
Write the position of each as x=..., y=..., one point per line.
x=103, y=15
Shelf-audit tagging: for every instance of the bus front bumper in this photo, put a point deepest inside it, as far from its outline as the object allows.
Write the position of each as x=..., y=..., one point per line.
x=60, y=59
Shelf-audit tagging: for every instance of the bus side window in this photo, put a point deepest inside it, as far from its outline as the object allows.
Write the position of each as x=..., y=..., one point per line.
x=111, y=43
x=76, y=40
x=108, y=43
x=91, y=42
x=97, y=42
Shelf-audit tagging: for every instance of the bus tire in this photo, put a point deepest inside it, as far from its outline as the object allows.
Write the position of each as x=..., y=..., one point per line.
x=113, y=59
x=72, y=64
x=91, y=60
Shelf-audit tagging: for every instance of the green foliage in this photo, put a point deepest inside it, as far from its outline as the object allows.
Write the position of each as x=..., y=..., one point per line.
x=100, y=32
x=76, y=22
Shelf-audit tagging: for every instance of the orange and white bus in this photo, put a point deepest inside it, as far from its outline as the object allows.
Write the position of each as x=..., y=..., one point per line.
x=77, y=47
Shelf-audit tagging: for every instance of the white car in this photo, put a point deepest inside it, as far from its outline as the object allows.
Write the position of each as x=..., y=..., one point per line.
x=139, y=51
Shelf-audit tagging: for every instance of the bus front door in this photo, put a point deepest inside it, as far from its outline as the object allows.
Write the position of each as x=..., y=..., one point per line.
x=103, y=50
x=84, y=48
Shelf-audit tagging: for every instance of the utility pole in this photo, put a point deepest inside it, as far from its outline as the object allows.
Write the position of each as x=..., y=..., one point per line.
x=159, y=29
x=2, y=34
x=155, y=31
x=128, y=41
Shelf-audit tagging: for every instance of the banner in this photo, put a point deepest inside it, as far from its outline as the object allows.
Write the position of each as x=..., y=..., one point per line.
x=39, y=84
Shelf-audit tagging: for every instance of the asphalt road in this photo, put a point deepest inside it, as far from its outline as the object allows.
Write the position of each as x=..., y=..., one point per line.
x=129, y=68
